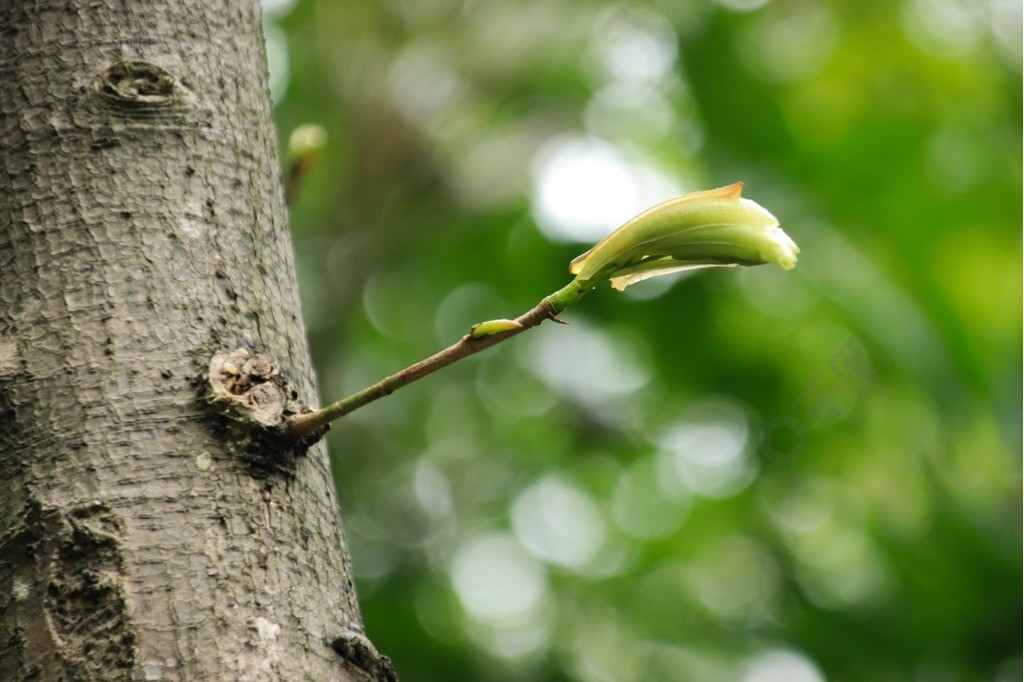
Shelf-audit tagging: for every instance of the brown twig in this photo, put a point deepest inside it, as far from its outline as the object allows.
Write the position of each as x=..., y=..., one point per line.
x=302, y=425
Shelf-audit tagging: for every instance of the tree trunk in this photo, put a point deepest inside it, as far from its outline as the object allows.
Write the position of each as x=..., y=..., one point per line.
x=142, y=231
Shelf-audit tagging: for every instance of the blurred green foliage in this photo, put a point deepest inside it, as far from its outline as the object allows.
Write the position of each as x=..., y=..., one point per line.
x=738, y=475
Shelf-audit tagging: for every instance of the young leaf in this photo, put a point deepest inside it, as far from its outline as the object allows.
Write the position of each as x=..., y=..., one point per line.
x=714, y=228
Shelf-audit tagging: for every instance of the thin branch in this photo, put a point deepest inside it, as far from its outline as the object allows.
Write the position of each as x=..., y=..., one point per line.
x=302, y=425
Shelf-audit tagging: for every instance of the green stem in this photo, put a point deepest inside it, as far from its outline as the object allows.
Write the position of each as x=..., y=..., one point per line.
x=302, y=425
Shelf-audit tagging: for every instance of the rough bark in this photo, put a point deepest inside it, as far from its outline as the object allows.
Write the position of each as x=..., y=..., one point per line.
x=142, y=230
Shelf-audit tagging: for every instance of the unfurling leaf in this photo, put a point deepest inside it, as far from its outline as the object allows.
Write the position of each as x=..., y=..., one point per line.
x=715, y=228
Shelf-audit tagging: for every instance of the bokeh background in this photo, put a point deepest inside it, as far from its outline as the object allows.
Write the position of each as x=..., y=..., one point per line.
x=734, y=475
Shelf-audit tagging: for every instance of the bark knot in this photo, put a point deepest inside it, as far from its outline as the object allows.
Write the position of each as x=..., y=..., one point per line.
x=72, y=557
x=357, y=651
x=252, y=387
x=139, y=88
x=250, y=393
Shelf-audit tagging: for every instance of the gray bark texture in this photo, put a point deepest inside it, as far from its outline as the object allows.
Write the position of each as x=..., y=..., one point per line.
x=142, y=231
